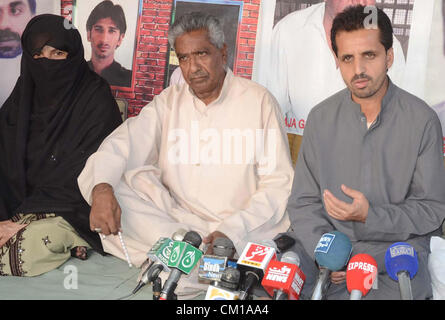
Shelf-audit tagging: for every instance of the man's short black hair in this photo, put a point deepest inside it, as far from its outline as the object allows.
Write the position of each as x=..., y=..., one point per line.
x=353, y=18
x=106, y=9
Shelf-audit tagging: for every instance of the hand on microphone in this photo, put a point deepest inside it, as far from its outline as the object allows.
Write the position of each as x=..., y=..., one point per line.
x=210, y=238
x=340, y=210
x=338, y=277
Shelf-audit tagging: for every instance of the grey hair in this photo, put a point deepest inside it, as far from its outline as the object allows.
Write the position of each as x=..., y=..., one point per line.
x=197, y=21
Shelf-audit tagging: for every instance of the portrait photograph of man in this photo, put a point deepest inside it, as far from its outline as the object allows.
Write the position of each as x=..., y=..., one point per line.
x=109, y=30
x=14, y=16
x=435, y=95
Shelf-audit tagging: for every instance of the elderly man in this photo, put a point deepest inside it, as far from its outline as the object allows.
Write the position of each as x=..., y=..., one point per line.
x=210, y=155
x=371, y=163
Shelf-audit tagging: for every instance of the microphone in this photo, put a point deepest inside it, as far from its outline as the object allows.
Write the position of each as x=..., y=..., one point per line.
x=332, y=254
x=283, y=279
x=212, y=266
x=157, y=287
x=252, y=263
x=159, y=255
x=360, y=275
x=226, y=288
x=183, y=258
x=402, y=265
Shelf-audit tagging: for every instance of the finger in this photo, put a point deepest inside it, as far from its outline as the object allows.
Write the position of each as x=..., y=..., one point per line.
x=112, y=226
x=208, y=239
x=354, y=194
x=118, y=218
x=337, y=202
x=333, y=210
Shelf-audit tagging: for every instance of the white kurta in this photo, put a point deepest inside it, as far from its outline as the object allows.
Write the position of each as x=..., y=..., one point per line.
x=182, y=164
x=303, y=71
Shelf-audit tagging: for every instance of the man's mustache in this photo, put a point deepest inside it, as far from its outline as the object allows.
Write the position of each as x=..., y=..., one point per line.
x=360, y=77
x=198, y=74
x=8, y=35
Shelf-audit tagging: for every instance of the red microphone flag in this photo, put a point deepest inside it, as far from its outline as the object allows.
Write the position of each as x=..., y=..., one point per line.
x=283, y=276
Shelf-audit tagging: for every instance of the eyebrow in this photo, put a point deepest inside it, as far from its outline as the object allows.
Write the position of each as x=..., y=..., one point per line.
x=16, y=3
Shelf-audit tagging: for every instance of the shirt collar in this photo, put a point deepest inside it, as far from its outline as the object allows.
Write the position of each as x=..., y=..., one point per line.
x=390, y=92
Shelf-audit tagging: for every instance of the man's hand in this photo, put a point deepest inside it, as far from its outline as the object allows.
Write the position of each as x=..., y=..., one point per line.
x=105, y=210
x=8, y=229
x=340, y=210
x=210, y=238
x=338, y=277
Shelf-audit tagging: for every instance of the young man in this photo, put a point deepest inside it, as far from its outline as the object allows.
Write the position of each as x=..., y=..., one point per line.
x=106, y=27
x=14, y=16
x=303, y=70
x=210, y=155
x=371, y=162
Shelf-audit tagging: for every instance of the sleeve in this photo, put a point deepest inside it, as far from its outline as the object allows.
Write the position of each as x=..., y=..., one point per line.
x=306, y=212
x=423, y=210
x=274, y=178
x=138, y=136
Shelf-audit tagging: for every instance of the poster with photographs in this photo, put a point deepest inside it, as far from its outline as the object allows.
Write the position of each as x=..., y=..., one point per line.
x=228, y=12
x=294, y=59
x=109, y=31
x=14, y=16
x=435, y=93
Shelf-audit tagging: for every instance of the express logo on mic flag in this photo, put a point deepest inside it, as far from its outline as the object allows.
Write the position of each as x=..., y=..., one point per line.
x=256, y=255
x=283, y=276
x=361, y=273
x=184, y=256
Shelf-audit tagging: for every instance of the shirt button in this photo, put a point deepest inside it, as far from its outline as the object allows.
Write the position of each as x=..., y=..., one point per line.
x=363, y=119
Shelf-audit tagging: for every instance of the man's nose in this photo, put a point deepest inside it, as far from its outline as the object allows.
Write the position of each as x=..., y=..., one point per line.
x=359, y=66
x=195, y=65
x=5, y=21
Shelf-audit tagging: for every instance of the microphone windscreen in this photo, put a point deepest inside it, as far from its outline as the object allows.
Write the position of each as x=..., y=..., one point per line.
x=333, y=250
x=179, y=235
x=401, y=256
x=223, y=247
x=230, y=278
x=291, y=257
x=361, y=273
x=193, y=238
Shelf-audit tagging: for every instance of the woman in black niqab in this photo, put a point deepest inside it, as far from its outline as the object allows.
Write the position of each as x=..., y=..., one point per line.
x=56, y=117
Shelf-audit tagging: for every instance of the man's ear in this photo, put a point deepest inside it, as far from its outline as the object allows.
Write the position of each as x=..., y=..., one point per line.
x=389, y=58
x=121, y=38
x=89, y=36
x=224, y=53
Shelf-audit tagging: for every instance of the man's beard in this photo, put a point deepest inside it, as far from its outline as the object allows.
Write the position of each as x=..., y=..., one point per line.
x=10, y=45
